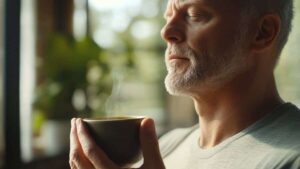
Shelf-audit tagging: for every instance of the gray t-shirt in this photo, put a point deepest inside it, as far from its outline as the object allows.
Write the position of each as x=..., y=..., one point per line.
x=273, y=142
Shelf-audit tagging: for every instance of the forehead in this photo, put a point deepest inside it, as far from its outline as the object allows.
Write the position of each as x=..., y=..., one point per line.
x=214, y=4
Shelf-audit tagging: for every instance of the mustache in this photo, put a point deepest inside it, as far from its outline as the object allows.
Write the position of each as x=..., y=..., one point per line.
x=180, y=51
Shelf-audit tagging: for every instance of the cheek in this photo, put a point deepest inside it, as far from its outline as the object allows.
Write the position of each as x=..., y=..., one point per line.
x=204, y=38
x=210, y=40
x=198, y=41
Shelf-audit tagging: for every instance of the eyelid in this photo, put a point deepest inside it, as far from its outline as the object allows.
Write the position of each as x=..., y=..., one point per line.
x=197, y=11
x=198, y=14
x=194, y=14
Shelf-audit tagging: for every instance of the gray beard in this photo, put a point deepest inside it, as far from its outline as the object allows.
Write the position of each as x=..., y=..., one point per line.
x=203, y=71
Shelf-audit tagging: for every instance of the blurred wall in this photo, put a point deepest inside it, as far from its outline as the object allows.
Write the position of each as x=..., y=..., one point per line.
x=287, y=71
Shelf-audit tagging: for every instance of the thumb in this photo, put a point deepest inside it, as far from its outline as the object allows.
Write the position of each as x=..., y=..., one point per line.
x=149, y=144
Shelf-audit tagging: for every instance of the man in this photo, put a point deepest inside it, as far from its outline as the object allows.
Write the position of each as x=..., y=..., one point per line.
x=222, y=54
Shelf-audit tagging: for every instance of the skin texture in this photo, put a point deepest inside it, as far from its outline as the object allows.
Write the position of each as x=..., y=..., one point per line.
x=205, y=36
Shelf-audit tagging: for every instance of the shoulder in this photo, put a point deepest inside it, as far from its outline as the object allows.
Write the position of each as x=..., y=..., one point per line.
x=169, y=141
x=287, y=126
x=279, y=139
x=283, y=123
x=291, y=112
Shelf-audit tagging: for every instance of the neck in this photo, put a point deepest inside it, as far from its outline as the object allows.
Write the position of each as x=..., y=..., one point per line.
x=226, y=111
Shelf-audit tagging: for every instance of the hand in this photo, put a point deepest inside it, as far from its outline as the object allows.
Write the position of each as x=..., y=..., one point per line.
x=85, y=154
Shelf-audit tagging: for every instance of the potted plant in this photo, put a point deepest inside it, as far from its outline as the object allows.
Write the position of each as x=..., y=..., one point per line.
x=68, y=72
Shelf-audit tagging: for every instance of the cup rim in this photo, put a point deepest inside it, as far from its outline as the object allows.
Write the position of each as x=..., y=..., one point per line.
x=115, y=118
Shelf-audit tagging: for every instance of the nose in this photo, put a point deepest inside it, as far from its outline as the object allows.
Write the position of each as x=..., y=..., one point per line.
x=173, y=32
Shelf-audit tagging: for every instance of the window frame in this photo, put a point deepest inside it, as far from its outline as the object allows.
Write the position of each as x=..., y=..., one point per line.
x=11, y=97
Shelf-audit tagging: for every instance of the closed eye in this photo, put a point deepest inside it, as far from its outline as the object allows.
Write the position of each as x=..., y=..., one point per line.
x=198, y=16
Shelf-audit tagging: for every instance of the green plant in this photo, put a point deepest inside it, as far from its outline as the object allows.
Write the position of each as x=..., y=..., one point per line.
x=64, y=70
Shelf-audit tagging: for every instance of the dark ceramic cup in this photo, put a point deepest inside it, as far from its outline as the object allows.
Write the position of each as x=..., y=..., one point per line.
x=118, y=137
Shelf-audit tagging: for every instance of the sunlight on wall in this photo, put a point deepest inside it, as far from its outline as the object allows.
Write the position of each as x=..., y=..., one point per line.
x=114, y=4
x=79, y=19
x=27, y=76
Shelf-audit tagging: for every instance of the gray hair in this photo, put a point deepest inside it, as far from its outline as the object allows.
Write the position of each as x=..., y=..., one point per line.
x=284, y=9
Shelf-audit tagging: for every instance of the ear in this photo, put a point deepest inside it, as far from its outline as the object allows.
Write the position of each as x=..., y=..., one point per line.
x=267, y=32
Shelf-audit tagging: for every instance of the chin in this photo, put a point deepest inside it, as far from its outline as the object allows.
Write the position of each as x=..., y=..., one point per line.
x=187, y=85
x=176, y=87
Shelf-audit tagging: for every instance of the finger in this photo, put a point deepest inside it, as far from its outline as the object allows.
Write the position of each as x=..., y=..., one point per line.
x=72, y=164
x=76, y=157
x=95, y=155
x=74, y=145
x=149, y=143
x=80, y=162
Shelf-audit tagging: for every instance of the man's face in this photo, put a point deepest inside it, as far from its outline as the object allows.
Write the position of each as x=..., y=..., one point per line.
x=205, y=44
